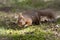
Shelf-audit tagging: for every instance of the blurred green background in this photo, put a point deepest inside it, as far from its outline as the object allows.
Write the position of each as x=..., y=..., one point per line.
x=29, y=4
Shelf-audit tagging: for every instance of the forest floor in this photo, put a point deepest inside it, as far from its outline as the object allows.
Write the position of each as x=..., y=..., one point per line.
x=10, y=31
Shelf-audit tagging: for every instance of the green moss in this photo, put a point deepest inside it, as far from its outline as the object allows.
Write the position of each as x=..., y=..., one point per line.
x=30, y=33
x=58, y=21
x=34, y=32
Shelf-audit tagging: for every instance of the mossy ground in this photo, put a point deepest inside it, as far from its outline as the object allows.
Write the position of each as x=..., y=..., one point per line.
x=34, y=32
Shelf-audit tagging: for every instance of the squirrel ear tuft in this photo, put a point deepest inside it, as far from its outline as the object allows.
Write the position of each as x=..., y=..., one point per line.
x=20, y=14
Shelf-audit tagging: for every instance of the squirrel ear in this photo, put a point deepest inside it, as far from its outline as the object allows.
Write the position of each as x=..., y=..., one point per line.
x=20, y=15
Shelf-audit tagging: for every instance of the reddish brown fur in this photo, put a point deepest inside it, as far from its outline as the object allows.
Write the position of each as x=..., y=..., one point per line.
x=23, y=21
